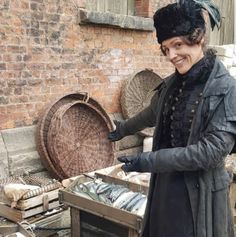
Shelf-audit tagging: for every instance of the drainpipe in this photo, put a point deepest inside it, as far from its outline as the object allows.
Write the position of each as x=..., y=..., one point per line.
x=234, y=62
x=234, y=22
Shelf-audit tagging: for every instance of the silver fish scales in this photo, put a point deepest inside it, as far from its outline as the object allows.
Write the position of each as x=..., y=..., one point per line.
x=116, y=192
x=141, y=204
x=128, y=200
x=119, y=203
x=134, y=201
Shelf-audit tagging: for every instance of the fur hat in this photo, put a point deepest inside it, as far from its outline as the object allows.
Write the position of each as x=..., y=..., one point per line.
x=183, y=17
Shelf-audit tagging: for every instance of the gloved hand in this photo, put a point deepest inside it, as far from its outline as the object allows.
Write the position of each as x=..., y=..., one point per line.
x=116, y=134
x=142, y=162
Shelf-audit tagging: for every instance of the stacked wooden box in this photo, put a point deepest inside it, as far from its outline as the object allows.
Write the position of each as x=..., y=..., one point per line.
x=32, y=203
x=30, y=207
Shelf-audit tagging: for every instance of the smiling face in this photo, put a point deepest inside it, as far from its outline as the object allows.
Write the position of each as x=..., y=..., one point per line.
x=182, y=55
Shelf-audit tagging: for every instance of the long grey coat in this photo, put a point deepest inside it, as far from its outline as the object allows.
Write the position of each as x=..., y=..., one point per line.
x=211, y=139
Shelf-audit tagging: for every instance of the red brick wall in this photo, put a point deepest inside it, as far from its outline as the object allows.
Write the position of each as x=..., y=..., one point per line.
x=45, y=53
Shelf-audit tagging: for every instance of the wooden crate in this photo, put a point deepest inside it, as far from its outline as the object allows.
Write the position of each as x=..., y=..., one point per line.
x=90, y=215
x=30, y=207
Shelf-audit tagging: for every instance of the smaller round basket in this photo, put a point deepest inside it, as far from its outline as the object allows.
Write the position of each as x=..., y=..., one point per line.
x=77, y=139
x=137, y=94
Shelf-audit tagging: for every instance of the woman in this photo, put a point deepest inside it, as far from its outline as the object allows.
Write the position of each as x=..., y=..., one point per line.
x=194, y=112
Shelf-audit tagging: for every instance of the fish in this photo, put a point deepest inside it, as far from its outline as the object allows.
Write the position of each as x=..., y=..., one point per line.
x=116, y=192
x=128, y=200
x=122, y=199
x=76, y=190
x=134, y=201
x=102, y=187
x=82, y=188
x=140, y=207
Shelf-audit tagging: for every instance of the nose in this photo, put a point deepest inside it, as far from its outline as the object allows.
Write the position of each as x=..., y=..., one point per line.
x=172, y=54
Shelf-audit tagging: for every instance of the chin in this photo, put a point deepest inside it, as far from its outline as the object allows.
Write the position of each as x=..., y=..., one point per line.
x=182, y=70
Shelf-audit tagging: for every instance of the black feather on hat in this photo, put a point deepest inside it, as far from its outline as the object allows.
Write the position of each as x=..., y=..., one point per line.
x=183, y=18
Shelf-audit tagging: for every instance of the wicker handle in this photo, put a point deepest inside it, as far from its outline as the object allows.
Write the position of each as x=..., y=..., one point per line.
x=57, y=119
x=86, y=96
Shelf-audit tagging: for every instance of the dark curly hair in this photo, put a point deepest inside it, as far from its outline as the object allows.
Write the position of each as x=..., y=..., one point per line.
x=194, y=38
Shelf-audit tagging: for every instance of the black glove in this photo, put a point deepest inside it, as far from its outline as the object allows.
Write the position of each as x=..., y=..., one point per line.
x=139, y=163
x=116, y=134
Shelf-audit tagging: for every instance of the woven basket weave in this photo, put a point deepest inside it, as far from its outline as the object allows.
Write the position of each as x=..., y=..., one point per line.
x=137, y=93
x=42, y=135
x=77, y=140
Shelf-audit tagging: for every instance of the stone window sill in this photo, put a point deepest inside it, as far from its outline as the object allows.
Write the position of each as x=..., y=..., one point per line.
x=115, y=20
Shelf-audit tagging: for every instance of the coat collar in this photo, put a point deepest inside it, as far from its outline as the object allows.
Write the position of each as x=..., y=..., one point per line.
x=217, y=83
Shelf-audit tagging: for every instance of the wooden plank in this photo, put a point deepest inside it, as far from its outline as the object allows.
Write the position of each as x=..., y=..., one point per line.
x=94, y=5
x=36, y=201
x=75, y=222
x=130, y=7
x=232, y=197
x=37, y=210
x=116, y=6
x=10, y=213
x=101, y=5
x=133, y=233
x=226, y=33
x=91, y=5
x=17, y=215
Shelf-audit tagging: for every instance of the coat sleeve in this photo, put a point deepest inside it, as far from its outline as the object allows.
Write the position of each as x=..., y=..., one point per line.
x=224, y=118
x=208, y=153
x=145, y=118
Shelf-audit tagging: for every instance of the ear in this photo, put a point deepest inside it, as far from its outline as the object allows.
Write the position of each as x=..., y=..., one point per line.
x=202, y=40
x=205, y=15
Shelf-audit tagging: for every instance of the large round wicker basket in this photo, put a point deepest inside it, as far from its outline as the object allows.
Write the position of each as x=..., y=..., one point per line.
x=77, y=139
x=137, y=93
x=49, y=154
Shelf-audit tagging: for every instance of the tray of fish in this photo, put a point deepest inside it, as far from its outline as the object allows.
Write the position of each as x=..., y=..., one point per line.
x=109, y=200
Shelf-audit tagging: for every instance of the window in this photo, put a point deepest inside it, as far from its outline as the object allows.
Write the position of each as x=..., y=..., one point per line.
x=127, y=14
x=123, y=7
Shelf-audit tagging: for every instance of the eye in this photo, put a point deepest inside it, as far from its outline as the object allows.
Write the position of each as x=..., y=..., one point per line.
x=178, y=45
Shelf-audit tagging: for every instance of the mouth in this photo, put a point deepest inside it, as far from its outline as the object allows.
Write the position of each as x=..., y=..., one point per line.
x=178, y=62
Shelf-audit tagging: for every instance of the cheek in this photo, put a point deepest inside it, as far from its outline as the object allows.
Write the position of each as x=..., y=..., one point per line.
x=192, y=59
